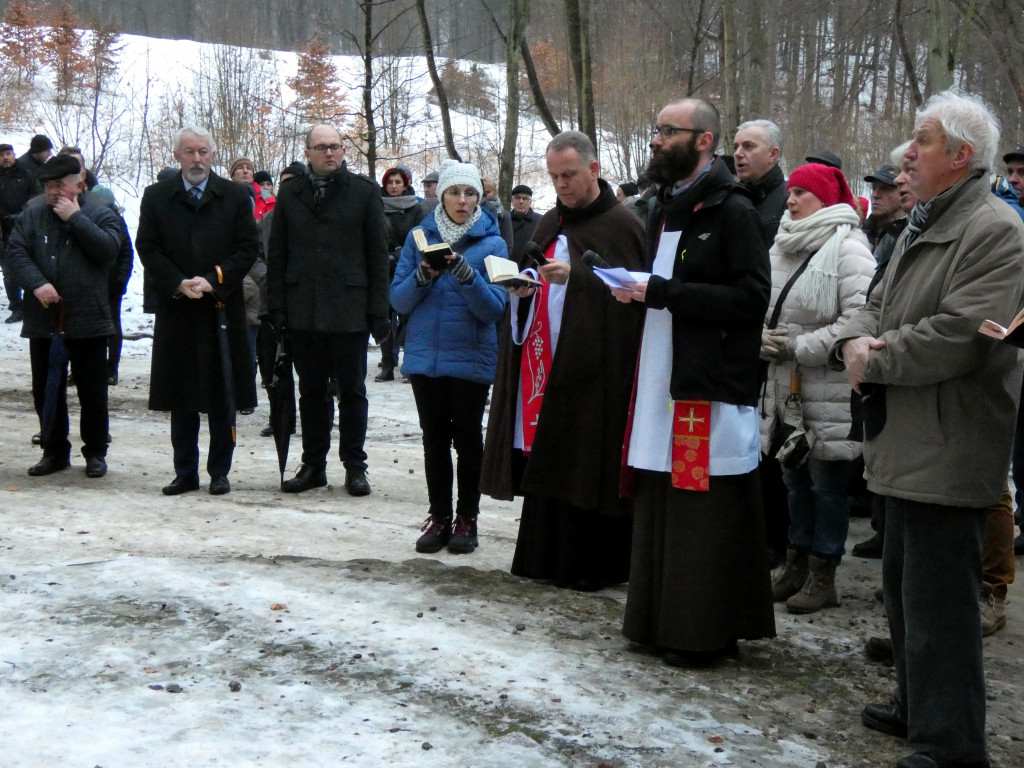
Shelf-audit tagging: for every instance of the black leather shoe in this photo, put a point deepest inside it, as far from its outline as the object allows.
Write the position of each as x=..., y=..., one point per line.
x=885, y=718
x=267, y=432
x=871, y=549
x=37, y=438
x=924, y=760
x=307, y=477
x=219, y=485
x=111, y=379
x=95, y=467
x=181, y=485
x=386, y=374
x=48, y=465
x=356, y=483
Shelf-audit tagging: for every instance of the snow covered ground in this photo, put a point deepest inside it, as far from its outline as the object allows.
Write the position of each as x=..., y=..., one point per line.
x=346, y=647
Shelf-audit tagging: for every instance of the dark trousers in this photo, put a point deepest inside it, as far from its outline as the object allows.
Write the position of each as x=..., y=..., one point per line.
x=266, y=349
x=451, y=412
x=114, y=341
x=185, y=441
x=931, y=576
x=318, y=357
x=88, y=364
x=11, y=287
x=389, y=347
x=775, y=499
x=1017, y=463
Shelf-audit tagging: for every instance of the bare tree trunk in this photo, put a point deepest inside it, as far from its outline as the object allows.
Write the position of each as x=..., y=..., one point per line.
x=940, y=49
x=550, y=124
x=519, y=18
x=908, y=56
x=730, y=92
x=442, y=97
x=371, y=123
x=577, y=17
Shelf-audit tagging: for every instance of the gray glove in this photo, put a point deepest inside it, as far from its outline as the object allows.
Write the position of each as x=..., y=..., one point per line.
x=423, y=278
x=769, y=344
x=461, y=270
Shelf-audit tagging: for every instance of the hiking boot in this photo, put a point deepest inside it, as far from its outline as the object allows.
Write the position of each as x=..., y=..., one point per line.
x=307, y=477
x=463, y=539
x=871, y=549
x=788, y=581
x=993, y=614
x=819, y=591
x=356, y=483
x=386, y=374
x=436, y=533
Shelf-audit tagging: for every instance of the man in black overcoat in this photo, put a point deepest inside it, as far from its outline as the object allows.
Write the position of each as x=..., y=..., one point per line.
x=197, y=239
x=327, y=273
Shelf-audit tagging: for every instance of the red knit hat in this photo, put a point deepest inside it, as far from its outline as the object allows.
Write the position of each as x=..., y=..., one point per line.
x=824, y=182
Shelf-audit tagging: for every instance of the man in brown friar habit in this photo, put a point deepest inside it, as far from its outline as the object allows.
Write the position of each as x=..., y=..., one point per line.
x=565, y=372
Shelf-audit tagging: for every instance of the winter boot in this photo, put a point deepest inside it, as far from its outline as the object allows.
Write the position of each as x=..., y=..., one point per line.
x=788, y=581
x=386, y=374
x=993, y=613
x=463, y=540
x=436, y=533
x=819, y=591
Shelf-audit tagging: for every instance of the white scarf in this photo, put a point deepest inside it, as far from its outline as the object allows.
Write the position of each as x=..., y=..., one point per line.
x=823, y=232
x=451, y=232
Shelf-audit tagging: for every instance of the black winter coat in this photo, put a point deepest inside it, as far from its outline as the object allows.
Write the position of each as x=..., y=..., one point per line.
x=177, y=241
x=769, y=195
x=719, y=290
x=17, y=187
x=328, y=268
x=76, y=257
x=523, y=226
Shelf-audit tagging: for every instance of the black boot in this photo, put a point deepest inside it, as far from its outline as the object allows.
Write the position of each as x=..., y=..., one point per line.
x=436, y=533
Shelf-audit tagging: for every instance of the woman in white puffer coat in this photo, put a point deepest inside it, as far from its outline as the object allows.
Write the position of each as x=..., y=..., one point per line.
x=822, y=226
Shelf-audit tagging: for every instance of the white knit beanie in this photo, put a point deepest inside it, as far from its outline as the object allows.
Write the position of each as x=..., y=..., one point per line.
x=464, y=174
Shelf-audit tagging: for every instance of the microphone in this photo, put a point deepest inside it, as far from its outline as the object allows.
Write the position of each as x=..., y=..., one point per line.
x=535, y=254
x=591, y=259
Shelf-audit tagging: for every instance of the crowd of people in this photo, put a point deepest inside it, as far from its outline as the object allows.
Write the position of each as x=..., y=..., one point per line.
x=699, y=425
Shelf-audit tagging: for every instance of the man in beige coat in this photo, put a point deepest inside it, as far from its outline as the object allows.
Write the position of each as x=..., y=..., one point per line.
x=939, y=413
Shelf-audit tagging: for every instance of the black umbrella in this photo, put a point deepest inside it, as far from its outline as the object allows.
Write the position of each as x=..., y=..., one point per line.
x=55, y=376
x=281, y=393
x=226, y=366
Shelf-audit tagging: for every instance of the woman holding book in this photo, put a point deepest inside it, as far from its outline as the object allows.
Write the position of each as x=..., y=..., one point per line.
x=451, y=348
x=821, y=267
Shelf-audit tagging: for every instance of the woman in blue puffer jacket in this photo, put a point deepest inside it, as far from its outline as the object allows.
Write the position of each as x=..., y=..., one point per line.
x=451, y=349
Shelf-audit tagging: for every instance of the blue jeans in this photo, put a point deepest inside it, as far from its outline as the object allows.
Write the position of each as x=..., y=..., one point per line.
x=819, y=508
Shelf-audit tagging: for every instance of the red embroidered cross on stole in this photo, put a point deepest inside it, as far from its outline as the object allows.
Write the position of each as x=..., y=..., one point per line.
x=691, y=445
x=535, y=367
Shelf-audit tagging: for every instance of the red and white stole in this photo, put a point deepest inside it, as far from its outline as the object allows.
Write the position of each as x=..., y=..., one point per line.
x=691, y=445
x=535, y=367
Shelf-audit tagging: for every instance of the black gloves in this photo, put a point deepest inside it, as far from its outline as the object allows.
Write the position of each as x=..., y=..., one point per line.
x=278, y=320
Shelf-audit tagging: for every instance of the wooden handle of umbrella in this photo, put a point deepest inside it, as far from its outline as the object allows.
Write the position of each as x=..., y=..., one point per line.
x=795, y=382
x=220, y=275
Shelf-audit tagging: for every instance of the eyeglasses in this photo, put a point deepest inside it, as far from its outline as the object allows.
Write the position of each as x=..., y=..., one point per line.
x=668, y=131
x=323, y=149
x=455, y=193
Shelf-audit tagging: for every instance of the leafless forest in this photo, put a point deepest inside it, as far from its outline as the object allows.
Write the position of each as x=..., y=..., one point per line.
x=842, y=75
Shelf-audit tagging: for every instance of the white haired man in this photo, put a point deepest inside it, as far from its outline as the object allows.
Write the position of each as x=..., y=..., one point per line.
x=757, y=149
x=938, y=421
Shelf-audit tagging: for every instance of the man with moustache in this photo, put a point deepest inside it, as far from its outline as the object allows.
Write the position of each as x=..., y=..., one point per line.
x=565, y=370
x=197, y=239
x=327, y=274
x=699, y=577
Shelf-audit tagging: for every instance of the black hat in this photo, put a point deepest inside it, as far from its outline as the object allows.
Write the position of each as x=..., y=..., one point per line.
x=59, y=166
x=295, y=169
x=1017, y=154
x=825, y=157
x=262, y=176
x=167, y=172
x=39, y=143
x=886, y=174
x=629, y=189
x=433, y=176
x=522, y=189
x=6, y=148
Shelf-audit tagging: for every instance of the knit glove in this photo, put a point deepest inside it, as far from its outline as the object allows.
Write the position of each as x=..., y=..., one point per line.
x=769, y=345
x=423, y=278
x=461, y=270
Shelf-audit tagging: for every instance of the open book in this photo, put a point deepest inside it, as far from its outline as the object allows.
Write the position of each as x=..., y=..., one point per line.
x=434, y=254
x=1014, y=334
x=506, y=272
